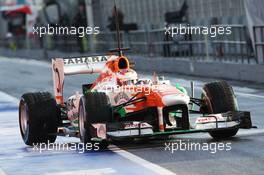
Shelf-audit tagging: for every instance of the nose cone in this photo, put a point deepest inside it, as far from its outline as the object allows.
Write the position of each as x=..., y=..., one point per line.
x=175, y=99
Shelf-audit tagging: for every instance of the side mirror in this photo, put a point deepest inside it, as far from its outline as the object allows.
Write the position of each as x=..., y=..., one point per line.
x=52, y=13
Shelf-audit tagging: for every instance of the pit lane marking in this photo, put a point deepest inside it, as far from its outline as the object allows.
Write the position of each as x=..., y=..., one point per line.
x=8, y=98
x=26, y=61
x=9, y=131
x=142, y=162
x=133, y=158
x=243, y=132
x=249, y=95
x=101, y=171
x=155, y=167
x=2, y=172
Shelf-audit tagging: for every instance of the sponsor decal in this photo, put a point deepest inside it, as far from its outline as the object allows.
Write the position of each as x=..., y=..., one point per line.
x=85, y=60
x=210, y=119
x=135, y=125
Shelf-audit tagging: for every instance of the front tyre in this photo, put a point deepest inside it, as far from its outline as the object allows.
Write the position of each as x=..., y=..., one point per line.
x=38, y=118
x=219, y=97
x=93, y=108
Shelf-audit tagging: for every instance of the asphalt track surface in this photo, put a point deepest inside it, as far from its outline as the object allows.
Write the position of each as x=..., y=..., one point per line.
x=18, y=76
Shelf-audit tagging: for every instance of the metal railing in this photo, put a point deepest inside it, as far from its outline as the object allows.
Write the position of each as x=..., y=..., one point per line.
x=234, y=47
x=154, y=43
x=237, y=46
x=259, y=43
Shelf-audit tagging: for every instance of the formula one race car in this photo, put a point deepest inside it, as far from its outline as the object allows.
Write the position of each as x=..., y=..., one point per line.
x=119, y=105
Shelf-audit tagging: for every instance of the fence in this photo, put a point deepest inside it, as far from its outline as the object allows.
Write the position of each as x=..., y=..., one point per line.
x=259, y=43
x=154, y=43
x=234, y=47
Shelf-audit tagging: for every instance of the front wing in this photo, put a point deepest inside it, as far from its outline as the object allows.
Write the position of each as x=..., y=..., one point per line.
x=207, y=123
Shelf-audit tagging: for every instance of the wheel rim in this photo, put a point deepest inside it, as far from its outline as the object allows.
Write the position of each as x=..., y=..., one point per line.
x=82, y=115
x=24, y=117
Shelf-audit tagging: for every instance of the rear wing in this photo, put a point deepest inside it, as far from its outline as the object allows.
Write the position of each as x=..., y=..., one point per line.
x=73, y=66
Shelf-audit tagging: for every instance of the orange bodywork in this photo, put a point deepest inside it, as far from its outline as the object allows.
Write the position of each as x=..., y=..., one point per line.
x=115, y=74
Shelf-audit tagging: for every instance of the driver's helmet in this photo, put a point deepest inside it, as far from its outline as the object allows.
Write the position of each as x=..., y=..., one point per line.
x=127, y=77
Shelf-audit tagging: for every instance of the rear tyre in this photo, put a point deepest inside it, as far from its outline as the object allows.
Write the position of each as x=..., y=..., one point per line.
x=220, y=98
x=38, y=118
x=93, y=108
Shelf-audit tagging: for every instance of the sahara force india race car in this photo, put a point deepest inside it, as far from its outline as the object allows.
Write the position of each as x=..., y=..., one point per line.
x=119, y=105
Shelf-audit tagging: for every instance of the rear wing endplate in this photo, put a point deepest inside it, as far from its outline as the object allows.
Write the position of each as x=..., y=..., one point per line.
x=73, y=66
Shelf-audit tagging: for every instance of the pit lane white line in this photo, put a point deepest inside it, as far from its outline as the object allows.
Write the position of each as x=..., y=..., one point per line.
x=8, y=98
x=26, y=61
x=2, y=172
x=133, y=158
x=86, y=172
x=151, y=166
x=249, y=95
x=8, y=131
x=246, y=132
